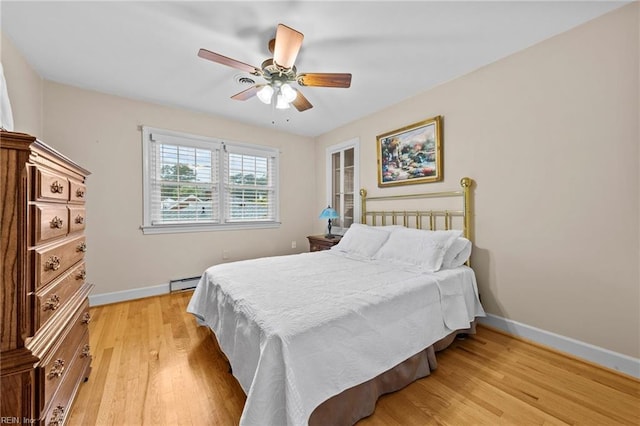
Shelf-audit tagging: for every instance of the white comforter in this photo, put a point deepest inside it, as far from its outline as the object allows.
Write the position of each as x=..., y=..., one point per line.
x=299, y=329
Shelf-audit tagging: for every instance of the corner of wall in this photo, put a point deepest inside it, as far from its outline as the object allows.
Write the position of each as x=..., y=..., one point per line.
x=25, y=88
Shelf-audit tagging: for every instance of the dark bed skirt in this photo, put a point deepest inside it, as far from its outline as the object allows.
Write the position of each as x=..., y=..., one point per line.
x=358, y=402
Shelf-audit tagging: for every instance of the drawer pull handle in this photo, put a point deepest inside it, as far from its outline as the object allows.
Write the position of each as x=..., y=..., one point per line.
x=57, y=416
x=53, y=263
x=56, y=369
x=80, y=193
x=57, y=188
x=56, y=222
x=81, y=275
x=86, y=318
x=79, y=220
x=52, y=304
x=82, y=247
x=86, y=351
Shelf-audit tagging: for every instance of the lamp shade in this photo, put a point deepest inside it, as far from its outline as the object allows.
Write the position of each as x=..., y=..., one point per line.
x=281, y=102
x=265, y=94
x=288, y=93
x=329, y=213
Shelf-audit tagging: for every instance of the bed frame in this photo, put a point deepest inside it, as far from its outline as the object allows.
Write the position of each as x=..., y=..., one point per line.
x=359, y=401
x=416, y=217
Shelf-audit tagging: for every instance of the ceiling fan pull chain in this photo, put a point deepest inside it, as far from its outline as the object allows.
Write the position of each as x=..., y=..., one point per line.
x=273, y=111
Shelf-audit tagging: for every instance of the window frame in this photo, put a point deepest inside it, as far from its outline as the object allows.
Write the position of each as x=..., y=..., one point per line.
x=203, y=142
x=341, y=148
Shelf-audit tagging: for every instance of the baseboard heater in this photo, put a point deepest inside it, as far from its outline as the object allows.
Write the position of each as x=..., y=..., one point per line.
x=183, y=284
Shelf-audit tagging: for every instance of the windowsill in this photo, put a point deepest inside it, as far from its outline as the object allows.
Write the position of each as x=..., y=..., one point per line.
x=178, y=229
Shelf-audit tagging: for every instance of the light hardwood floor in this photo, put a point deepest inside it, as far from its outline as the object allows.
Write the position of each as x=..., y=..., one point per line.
x=152, y=365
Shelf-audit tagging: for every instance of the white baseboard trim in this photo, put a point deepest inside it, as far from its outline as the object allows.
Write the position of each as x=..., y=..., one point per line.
x=601, y=356
x=126, y=295
x=141, y=293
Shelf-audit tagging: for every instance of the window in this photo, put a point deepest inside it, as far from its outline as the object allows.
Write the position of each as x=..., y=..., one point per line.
x=343, y=182
x=249, y=186
x=194, y=183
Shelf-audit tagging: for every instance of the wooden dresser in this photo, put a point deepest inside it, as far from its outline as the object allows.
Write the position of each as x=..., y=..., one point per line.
x=45, y=353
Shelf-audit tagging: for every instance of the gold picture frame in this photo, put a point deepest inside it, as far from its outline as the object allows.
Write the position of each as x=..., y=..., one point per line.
x=411, y=154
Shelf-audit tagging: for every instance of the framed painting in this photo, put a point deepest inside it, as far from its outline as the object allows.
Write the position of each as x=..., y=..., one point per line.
x=412, y=154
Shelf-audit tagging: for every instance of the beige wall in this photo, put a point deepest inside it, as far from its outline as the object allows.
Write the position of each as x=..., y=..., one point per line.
x=101, y=132
x=551, y=136
x=25, y=89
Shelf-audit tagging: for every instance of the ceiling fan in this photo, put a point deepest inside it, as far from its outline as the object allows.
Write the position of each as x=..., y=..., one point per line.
x=279, y=72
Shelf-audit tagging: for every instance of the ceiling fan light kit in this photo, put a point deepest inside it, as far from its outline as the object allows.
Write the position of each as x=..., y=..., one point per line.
x=283, y=93
x=279, y=73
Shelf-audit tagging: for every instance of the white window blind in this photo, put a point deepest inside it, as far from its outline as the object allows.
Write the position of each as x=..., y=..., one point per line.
x=184, y=185
x=193, y=183
x=250, y=190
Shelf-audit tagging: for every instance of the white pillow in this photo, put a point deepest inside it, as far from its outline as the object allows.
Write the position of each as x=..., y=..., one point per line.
x=457, y=254
x=416, y=247
x=362, y=240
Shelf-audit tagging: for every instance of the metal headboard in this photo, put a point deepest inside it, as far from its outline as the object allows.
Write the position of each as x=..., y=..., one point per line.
x=403, y=217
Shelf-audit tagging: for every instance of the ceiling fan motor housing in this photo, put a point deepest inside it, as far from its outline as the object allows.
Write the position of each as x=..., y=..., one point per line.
x=276, y=74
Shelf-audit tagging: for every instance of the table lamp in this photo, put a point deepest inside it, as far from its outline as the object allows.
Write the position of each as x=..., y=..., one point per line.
x=329, y=214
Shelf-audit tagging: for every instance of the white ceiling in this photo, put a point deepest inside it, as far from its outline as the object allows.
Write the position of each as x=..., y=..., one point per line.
x=148, y=50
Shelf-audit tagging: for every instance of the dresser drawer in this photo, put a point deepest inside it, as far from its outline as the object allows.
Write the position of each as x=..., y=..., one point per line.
x=51, y=186
x=53, y=260
x=59, y=365
x=78, y=192
x=55, y=295
x=77, y=216
x=58, y=406
x=51, y=221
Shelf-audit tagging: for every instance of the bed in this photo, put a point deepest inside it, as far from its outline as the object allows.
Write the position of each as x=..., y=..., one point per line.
x=316, y=338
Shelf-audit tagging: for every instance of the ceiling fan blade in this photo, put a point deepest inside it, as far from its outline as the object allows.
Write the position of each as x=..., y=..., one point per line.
x=325, y=80
x=247, y=94
x=221, y=59
x=287, y=46
x=301, y=103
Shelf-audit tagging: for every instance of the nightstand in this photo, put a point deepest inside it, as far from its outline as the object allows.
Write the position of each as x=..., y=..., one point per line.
x=320, y=242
